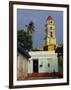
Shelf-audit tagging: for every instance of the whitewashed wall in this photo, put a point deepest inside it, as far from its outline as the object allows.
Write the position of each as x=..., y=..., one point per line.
x=44, y=57
x=22, y=67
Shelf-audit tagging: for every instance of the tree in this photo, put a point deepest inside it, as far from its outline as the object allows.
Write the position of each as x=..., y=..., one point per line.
x=30, y=28
x=24, y=38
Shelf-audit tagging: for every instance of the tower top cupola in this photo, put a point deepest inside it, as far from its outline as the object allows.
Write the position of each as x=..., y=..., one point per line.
x=49, y=18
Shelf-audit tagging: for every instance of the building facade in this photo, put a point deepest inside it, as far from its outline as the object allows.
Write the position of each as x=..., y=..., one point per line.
x=45, y=62
x=22, y=63
x=42, y=63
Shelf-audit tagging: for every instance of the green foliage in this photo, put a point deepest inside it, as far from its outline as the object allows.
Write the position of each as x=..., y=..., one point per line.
x=30, y=28
x=25, y=37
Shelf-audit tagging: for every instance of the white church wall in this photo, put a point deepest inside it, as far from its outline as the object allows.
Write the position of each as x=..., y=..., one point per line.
x=53, y=61
x=44, y=58
x=30, y=66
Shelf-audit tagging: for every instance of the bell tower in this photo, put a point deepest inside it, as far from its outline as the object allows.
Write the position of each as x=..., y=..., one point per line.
x=50, y=39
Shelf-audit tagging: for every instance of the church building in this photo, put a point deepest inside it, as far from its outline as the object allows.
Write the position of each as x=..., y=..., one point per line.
x=44, y=63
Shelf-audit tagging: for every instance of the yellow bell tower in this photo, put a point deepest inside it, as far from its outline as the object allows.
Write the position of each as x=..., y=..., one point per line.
x=50, y=39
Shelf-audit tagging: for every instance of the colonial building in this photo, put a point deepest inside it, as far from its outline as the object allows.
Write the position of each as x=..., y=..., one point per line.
x=42, y=63
x=22, y=63
x=45, y=63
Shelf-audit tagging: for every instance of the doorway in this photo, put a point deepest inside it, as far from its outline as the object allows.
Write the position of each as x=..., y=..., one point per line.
x=35, y=65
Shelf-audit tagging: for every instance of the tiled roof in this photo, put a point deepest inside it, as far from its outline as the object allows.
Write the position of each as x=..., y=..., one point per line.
x=22, y=51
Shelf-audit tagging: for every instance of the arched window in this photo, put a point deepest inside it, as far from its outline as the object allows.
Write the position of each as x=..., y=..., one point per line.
x=51, y=34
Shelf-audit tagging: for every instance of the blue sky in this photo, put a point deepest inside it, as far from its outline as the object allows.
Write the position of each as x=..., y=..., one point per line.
x=24, y=16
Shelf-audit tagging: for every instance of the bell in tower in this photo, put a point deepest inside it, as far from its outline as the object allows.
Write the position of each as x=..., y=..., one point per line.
x=50, y=39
